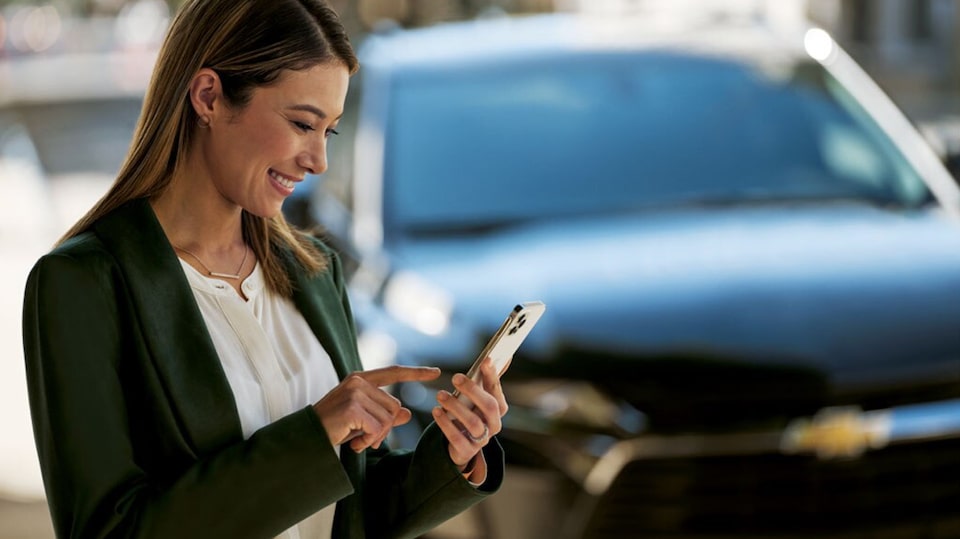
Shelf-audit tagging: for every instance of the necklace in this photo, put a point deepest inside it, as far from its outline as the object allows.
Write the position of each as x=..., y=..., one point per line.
x=217, y=273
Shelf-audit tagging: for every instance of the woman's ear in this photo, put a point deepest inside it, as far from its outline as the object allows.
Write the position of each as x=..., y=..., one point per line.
x=205, y=95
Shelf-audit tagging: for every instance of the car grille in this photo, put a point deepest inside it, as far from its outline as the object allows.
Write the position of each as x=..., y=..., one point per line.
x=903, y=491
x=716, y=394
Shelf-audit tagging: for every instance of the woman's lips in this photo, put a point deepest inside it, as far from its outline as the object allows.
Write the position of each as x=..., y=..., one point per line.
x=284, y=180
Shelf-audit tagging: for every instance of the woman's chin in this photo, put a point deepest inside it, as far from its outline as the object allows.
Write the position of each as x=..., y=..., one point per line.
x=265, y=211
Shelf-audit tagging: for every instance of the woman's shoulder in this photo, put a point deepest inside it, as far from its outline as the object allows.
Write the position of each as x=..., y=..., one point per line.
x=85, y=250
x=128, y=226
x=82, y=246
x=75, y=271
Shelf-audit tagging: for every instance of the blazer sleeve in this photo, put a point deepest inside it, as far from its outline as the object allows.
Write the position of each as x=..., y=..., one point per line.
x=74, y=341
x=407, y=493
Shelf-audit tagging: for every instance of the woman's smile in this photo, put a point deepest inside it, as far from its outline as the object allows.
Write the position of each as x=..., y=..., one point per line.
x=282, y=182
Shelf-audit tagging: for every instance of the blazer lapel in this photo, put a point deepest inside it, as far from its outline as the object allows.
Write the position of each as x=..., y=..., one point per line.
x=318, y=300
x=172, y=326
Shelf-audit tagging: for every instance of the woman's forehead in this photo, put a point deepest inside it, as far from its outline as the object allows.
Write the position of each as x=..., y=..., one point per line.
x=323, y=86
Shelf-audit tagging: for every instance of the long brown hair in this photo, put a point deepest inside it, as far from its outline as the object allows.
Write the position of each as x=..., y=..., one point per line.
x=249, y=43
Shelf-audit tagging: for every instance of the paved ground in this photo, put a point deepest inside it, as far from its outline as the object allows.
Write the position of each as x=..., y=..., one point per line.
x=31, y=520
x=25, y=520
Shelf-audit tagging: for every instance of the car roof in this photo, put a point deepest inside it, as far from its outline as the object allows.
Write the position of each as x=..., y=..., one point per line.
x=521, y=38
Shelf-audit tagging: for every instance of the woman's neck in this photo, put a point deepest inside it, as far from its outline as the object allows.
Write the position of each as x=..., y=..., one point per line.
x=195, y=216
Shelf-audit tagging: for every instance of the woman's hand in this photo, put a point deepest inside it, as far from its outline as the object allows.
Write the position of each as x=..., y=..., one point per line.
x=358, y=411
x=473, y=426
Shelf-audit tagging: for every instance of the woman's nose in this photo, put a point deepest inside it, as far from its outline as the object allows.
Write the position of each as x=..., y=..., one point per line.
x=314, y=157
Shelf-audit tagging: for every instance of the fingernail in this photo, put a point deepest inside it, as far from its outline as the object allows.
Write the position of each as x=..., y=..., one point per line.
x=459, y=379
x=443, y=395
x=437, y=411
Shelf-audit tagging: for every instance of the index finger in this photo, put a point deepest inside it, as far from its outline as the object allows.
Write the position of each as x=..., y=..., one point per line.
x=391, y=375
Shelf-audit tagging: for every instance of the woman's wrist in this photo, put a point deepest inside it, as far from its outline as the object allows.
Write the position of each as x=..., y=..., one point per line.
x=475, y=470
x=468, y=468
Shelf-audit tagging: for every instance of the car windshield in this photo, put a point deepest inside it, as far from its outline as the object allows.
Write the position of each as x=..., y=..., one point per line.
x=487, y=146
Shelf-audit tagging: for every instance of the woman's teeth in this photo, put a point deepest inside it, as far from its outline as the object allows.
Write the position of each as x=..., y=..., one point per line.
x=281, y=180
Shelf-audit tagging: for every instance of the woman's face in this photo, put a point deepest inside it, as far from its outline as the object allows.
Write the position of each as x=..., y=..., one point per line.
x=256, y=155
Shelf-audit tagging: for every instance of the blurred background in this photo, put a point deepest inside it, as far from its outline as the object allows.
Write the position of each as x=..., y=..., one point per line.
x=72, y=76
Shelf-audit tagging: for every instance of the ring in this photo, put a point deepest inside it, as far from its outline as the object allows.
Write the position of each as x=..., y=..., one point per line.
x=483, y=437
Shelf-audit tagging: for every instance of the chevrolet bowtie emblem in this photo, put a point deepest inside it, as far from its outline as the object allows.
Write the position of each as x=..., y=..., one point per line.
x=840, y=432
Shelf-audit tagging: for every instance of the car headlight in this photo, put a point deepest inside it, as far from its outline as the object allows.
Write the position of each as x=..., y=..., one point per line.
x=418, y=303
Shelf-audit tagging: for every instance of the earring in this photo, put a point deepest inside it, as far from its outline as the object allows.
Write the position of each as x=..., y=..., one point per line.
x=203, y=122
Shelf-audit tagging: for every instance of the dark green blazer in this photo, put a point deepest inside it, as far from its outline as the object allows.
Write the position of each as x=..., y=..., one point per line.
x=135, y=423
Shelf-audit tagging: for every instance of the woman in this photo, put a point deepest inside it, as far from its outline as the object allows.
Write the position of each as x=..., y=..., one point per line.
x=191, y=359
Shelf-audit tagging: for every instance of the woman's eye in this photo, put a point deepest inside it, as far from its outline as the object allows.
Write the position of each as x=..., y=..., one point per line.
x=302, y=126
x=332, y=132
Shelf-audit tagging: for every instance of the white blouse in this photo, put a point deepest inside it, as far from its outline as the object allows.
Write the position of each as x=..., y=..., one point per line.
x=274, y=363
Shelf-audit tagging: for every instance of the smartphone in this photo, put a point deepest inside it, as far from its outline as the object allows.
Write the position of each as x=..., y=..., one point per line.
x=507, y=340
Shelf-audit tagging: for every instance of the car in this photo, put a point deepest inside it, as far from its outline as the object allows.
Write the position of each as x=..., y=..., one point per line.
x=750, y=261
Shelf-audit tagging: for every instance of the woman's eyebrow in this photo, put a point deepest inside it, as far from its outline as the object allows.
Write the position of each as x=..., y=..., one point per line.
x=309, y=108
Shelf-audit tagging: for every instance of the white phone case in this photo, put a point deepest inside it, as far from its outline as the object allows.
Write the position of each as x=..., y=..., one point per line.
x=507, y=340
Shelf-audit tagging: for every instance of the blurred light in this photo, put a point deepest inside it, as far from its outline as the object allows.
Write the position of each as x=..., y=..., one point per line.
x=142, y=23
x=131, y=71
x=819, y=44
x=377, y=349
x=418, y=303
x=35, y=28
x=416, y=394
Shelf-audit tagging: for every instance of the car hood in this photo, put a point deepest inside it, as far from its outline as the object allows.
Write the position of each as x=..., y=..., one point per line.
x=838, y=288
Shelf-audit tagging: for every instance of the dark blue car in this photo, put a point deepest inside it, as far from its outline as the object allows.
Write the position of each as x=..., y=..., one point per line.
x=750, y=260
